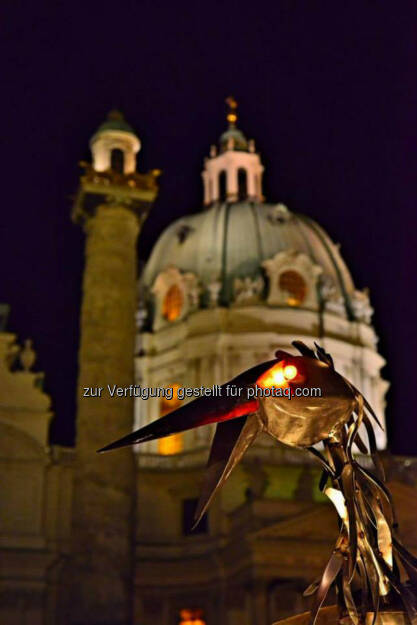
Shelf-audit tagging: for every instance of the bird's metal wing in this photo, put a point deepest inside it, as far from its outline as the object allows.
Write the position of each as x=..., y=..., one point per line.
x=231, y=440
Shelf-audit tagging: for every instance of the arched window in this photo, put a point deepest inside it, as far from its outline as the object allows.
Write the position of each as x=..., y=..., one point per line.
x=117, y=160
x=222, y=186
x=242, y=183
x=173, y=303
x=294, y=286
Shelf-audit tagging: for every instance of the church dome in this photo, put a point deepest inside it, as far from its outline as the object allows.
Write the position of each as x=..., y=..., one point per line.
x=236, y=136
x=230, y=242
x=226, y=287
x=240, y=251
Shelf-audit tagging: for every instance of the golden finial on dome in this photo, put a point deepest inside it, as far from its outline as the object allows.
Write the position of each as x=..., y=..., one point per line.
x=232, y=114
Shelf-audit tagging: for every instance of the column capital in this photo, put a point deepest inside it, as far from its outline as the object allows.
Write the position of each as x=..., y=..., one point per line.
x=135, y=192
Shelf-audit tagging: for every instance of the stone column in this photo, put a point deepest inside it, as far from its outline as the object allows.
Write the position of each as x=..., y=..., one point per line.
x=104, y=492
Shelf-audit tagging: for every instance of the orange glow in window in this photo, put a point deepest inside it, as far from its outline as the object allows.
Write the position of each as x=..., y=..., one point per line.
x=173, y=303
x=168, y=405
x=170, y=445
x=192, y=617
x=173, y=444
x=293, y=284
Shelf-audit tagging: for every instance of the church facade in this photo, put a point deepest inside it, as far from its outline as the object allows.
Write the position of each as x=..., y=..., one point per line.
x=106, y=539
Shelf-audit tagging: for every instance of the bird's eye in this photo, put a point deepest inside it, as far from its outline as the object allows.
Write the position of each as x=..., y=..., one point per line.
x=290, y=372
x=281, y=375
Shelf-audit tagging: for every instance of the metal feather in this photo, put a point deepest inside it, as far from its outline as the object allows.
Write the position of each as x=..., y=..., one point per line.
x=230, y=442
x=303, y=349
x=330, y=573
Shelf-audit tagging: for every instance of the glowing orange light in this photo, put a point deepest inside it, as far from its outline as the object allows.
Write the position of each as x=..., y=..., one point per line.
x=170, y=444
x=192, y=617
x=169, y=404
x=173, y=303
x=290, y=372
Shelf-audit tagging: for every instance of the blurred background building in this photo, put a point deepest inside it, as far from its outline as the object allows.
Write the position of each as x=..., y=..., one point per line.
x=107, y=540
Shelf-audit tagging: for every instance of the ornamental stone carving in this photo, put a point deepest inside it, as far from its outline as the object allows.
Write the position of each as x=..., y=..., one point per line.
x=24, y=405
x=362, y=308
x=193, y=290
x=27, y=355
x=328, y=288
x=214, y=289
x=333, y=301
x=248, y=290
x=278, y=214
x=336, y=305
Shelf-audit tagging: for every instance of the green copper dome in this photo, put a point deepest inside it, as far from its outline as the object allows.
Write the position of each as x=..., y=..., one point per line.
x=115, y=121
x=239, y=140
x=229, y=241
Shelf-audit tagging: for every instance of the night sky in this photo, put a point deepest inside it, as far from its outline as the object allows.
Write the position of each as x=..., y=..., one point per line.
x=327, y=89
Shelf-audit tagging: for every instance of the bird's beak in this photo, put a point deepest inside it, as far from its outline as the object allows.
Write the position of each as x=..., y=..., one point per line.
x=201, y=411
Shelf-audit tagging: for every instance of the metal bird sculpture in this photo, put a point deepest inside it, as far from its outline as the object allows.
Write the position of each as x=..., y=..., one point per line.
x=367, y=556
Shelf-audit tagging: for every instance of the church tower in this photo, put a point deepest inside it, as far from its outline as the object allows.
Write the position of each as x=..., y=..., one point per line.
x=112, y=203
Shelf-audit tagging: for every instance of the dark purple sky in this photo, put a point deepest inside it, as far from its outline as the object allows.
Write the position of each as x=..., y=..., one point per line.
x=327, y=89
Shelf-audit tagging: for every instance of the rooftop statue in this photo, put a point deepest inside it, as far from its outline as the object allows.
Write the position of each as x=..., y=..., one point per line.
x=274, y=397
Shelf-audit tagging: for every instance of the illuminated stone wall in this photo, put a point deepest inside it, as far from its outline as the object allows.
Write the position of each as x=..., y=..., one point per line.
x=35, y=494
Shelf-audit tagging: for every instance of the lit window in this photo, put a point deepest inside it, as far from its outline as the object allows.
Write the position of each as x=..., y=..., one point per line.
x=168, y=405
x=192, y=616
x=173, y=302
x=170, y=444
x=295, y=287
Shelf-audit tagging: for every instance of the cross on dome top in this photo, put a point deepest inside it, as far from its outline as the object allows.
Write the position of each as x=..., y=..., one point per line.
x=232, y=114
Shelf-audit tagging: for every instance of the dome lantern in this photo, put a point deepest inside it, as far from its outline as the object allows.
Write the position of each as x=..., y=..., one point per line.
x=115, y=145
x=233, y=173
